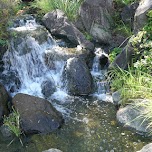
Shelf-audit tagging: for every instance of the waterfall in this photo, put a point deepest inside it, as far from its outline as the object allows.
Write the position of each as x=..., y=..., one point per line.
x=34, y=64
x=25, y=63
x=99, y=75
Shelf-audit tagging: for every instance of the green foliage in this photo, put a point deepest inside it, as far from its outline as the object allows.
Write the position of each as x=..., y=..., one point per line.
x=13, y=123
x=142, y=42
x=114, y=53
x=69, y=7
x=132, y=84
x=124, y=2
x=7, y=9
x=146, y=114
x=120, y=27
x=88, y=36
x=123, y=29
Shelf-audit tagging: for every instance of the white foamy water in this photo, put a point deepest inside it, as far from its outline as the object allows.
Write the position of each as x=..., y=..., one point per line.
x=26, y=62
x=99, y=78
x=26, y=25
x=30, y=66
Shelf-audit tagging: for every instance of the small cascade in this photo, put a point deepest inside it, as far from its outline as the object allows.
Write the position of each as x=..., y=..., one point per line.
x=99, y=75
x=25, y=61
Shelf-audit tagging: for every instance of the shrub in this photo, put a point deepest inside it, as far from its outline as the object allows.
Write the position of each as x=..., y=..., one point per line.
x=69, y=7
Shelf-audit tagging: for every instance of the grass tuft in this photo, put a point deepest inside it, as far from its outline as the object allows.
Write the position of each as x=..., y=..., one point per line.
x=133, y=84
x=13, y=123
x=69, y=7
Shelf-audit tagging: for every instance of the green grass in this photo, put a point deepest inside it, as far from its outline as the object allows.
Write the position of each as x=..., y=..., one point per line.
x=69, y=7
x=133, y=84
x=125, y=2
x=13, y=123
x=146, y=114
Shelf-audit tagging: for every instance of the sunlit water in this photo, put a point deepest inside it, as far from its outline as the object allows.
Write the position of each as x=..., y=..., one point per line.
x=90, y=123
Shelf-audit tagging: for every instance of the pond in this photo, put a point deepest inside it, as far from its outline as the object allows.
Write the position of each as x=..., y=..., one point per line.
x=90, y=126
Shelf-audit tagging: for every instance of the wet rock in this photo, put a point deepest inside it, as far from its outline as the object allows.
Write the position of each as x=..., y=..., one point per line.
x=96, y=19
x=48, y=88
x=52, y=150
x=78, y=77
x=23, y=31
x=37, y=115
x=58, y=54
x=147, y=148
x=103, y=57
x=4, y=98
x=128, y=12
x=140, y=17
x=129, y=117
x=58, y=24
x=116, y=97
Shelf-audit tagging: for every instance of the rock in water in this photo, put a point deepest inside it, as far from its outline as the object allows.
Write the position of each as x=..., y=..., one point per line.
x=48, y=88
x=37, y=115
x=79, y=79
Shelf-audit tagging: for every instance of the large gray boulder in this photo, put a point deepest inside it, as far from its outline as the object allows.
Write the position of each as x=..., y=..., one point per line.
x=58, y=24
x=78, y=77
x=4, y=98
x=131, y=117
x=147, y=148
x=140, y=17
x=96, y=18
x=37, y=115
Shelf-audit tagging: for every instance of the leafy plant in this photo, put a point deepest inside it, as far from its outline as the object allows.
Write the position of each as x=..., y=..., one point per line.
x=69, y=7
x=143, y=41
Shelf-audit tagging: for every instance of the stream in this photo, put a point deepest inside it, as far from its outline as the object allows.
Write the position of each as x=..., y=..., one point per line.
x=90, y=122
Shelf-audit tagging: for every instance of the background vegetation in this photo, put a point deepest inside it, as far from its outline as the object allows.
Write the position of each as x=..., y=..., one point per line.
x=69, y=7
x=7, y=9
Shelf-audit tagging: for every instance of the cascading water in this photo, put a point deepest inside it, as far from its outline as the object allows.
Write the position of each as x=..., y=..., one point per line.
x=33, y=60
x=26, y=59
x=99, y=76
